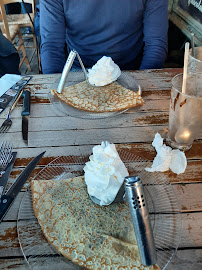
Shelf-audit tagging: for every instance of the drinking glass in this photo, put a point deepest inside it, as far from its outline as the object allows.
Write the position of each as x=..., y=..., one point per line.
x=185, y=114
x=195, y=61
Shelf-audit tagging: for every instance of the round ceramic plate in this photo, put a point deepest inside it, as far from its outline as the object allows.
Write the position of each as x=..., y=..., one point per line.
x=163, y=208
x=75, y=77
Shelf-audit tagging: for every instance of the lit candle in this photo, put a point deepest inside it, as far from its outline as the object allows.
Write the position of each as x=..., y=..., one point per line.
x=183, y=135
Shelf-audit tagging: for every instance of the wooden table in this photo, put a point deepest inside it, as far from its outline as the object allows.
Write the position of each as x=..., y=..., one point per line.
x=59, y=135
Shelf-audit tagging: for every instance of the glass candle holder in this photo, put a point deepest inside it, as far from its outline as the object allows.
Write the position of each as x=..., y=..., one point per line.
x=185, y=114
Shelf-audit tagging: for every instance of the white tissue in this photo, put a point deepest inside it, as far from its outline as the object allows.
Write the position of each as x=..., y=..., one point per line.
x=167, y=158
x=178, y=161
x=104, y=173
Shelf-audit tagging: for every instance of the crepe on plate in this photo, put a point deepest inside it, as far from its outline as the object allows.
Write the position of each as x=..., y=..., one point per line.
x=93, y=237
x=109, y=98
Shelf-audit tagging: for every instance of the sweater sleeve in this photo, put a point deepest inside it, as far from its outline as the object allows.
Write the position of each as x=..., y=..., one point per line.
x=155, y=31
x=52, y=31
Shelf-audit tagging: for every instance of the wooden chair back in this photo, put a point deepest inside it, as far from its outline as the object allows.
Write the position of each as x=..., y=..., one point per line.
x=20, y=20
x=3, y=19
x=11, y=31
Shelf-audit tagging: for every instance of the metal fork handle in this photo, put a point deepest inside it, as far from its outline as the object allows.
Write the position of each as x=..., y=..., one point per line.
x=67, y=68
x=15, y=101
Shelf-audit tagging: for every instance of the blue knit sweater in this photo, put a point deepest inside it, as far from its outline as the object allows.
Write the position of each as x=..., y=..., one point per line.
x=132, y=32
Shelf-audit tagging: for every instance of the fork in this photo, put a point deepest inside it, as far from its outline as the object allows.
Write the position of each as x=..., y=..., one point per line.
x=5, y=156
x=8, y=122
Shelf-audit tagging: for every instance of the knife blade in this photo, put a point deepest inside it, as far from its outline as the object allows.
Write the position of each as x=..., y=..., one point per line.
x=25, y=114
x=8, y=198
x=5, y=176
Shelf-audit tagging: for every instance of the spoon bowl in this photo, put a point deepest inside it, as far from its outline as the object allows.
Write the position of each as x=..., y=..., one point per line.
x=120, y=197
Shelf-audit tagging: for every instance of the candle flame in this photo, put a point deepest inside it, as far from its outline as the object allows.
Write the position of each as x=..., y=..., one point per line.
x=186, y=134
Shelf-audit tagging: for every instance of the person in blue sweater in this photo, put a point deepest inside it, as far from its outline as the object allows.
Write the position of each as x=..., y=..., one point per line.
x=132, y=32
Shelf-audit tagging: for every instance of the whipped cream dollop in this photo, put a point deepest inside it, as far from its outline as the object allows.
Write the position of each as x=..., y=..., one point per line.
x=103, y=72
x=104, y=173
x=167, y=158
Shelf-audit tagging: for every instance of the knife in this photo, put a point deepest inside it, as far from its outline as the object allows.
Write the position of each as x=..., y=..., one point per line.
x=5, y=176
x=9, y=197
x=25, y=114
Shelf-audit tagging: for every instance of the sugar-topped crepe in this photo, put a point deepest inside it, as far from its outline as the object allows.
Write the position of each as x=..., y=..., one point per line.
x=109, y=98
x=93, y=237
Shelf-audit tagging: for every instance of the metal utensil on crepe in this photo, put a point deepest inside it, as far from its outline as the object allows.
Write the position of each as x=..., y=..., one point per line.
x=8, y=198
x=132, y=191
x=25, y=114
x=67, y=68
x=5, y=175
x=140, y=217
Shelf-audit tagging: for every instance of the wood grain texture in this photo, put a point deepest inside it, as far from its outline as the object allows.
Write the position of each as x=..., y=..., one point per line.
x=58, y=134
x=183, y=260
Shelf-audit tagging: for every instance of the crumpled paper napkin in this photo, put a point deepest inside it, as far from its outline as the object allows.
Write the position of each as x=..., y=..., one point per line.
x=7, y=81
x=167, y=158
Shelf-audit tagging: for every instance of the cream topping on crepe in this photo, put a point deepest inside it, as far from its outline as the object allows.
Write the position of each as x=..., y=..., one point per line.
x=103, y=72
x=104, y=173
x=91, y=236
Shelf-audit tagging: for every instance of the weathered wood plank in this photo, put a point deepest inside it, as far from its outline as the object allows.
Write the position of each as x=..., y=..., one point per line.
x=185, y=178
x=81, y=137
x=192, y=174
x=49, y=110
x=146, y=150
x=189, y=196
x=183, y=260
x=153, y=78
x=58, y=123
x=65, y=137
